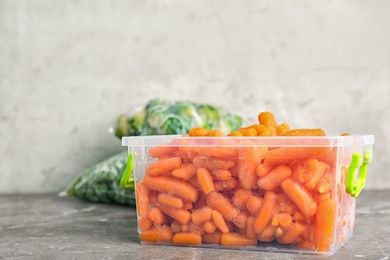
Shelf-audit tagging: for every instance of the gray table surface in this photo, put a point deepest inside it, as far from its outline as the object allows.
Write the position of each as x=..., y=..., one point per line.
x=52, y=227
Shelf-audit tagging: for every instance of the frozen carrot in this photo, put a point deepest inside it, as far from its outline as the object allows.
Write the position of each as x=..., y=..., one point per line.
x=249, y=160
x=268, y=120
x=185, y=172
x=162, y=151
x=215, y=132
x=315, y=176
x=219, y=152
x=220, y=222
x=172, y=186
x=282, y=128
x=184, y=228
x=273, y=179
x=198, y=131
x=324, y=224
x=235, y=133
x=264, y=239
x=262, y=169
x=213, y=238
x=157, y=234
x=240, y=198
x=254, y=204
x=240, y=219
x=157, y=216
x=195, y=228
x=266, y=212
x=181, y=215
x=170, y=200
x=310, y=164
x=304, y=132
x=187, y=238
x=202, y=215
x=279, y=232
x=209, y=227
x=293, y=233
x=205, y=180
x=299, y=172
x=285, y=155
x=163, y=166
x=327, y=182
x=187, y=205
x=225, y=185
x=144, y=223
x=300, y=196
x=218, y=202
x=298, y=216
x=222, y=175
x=284, y=219
x=215, y=163
x=248, y=131
x=142, y=199
x=250, y=231
x=234, y=239
x=268, y=231
x=261, y=130
x=175, y=227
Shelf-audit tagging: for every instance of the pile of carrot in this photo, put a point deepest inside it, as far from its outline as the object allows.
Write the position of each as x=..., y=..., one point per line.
x=240, y=193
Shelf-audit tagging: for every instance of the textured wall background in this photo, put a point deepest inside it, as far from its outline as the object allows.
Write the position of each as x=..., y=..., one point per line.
x=69, y=68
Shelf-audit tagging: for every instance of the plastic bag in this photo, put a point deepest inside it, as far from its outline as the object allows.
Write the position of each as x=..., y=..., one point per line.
x=101, y=183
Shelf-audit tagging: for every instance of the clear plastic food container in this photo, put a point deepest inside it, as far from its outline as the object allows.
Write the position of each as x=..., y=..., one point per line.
x=276, y=194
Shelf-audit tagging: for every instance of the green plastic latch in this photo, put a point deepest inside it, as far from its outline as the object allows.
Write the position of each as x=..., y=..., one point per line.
x=354, y=188
x=127, y=180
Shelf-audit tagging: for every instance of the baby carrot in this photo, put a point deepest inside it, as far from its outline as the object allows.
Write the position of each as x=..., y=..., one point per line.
x=304, y=132
x=299, y=172
x=316, y=176
x=248, y=131
x=293, y=233
x=185, y=172
x=240, y=219
x=215, y=132
x=181, y=215
x=327, y=182
x=163, y=166
x=253, y=204
x=205, y=180
x=220, y=222
x=222, y=175
x=172, y=186
x=266, y=212
x=240, y=198
x=157, y=234
x=235, y=133
x=142, y=199
x=144, y=223
x=187, y=205
x=284, y=219
x=209, y=227
x=218, y=202
x=250, y=232
x=213, y=238
x=170, y=200
x=234, y=239
x=285, y=155
x=175, y=227
x=310, y=164
x=198, y=131
x=300, y=196
x=262, y=169
x=248, y=163
x=219, y=152
x=282, y=128
x=264, y=239
x=273, y=179
x=152, y=196
x=162, y=151
x=268, y=231
x=157, y=216
x=226, y=185
x=202, y=215
x=260, y=130
x=187, y=238
x=324, y=223
x=268, y=120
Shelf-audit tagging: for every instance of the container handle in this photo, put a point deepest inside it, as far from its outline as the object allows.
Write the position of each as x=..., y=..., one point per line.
x=354, y=188
x=127, y=180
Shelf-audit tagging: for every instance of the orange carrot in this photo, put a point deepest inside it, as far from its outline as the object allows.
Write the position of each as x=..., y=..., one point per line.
x=268, y=120
x=293, y=233
x=215, y=132
x=170, y=200
x=298, y=216
x=218, y=202
x=327, y=182
x=316, y=176
x=250, y=232
x=299, y=172
x=152, y=196
x=142, y=199
x=300, y=196
x=235, y=133
x=226, y=185
x=234, y=239
x=187, y=205
x=249, y=160
x=248, y=131
x=310, y=164
x=264, y=239
x=163, y=166
x=220, y=222
x=205, y=180
x=240, y=219
x=219, y=152
x=213, y=238
x=324, y=224
x=157, y=234
x=157, y=216
x=261, y=130
x=162, y=151
x=253, y=204
x=144, y=223
x=185, y=172
x=273, y=179
x=284, y=219
x=175, y=227
x=268, y=231
x=282, y=128
x=172, y=186
x=181, y=215
x=262, y=169
x=222, y=175
x=304, y=132
x=187, y=238
x=285, y=155
x=266, y=212
x=209, y=227
x=240, y=198
x=202, y=215
x=198, y=131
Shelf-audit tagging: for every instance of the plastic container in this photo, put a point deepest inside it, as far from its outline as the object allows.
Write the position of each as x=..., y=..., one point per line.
x=275, y=194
